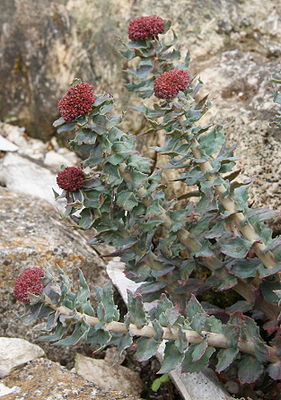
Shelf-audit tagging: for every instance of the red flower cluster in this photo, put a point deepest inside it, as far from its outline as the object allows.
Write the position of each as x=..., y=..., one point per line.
x=143, y=28
x=167, y=85
x=30, y=281
x=71, y=179
x=77, y=101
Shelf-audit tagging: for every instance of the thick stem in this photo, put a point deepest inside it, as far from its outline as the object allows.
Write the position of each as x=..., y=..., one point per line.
x=214, y=339
x=238, y=218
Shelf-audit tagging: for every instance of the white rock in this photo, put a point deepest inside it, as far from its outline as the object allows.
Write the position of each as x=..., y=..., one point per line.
x=55, y=160
x=108, y=376
x=22, y=175
x=14, y=134
x=15, y=352
x=6, y=145
x=5, y=390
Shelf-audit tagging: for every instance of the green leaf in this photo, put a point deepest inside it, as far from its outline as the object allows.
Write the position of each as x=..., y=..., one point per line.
x=59, y=332
x=149, y=287
x=196, y=314
x=244, y=268
x=113, y=176
x=59, y=122
x=172, y=358
x=211, y=142
x=147, y=347
x=138, y=44
x=85, y=136
x=194, y=307
x=250, y=331
x=124, y=342
x=138, y=178
x=268, y=287
x=199, y=349
x=165, y=312
x=97, y=335
x=188, y=365
x=167, y=25
x=225, y=358
x=79, y=334
x=236, y=247
x=86, y=219
x=249, y=369
x=101, y=99
x=272, y=245
x=136, y=314
x=159, y=381
x=126, y=200
x=67, y=127
x=82, y=302
x=107, y=311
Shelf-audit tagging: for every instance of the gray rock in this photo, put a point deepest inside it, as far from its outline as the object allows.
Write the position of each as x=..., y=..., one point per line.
x=6, y=145
x=15, y=352
x=46, y=380
x=240, y=88
x=108, y=376
x=23, y=175
x=4, y=390
x=55, y=160
x=43, y=48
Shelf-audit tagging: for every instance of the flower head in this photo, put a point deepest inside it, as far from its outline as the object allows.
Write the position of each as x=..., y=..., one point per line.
x=71, y=179
x=30, y=281
x=167, y=85
x=77, y=101
x=143, y=28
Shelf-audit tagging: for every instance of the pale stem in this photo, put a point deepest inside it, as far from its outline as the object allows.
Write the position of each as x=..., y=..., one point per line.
x=214, y=339
x=228, y=203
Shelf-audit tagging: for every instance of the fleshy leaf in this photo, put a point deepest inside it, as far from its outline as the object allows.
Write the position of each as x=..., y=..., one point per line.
x=188, y=365
x=225, y=358
x=172, y=358
x=136, y=314
x=249, y=370
x=107, y=311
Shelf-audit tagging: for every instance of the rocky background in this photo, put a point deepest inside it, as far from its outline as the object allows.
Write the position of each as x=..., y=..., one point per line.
x=235, y=48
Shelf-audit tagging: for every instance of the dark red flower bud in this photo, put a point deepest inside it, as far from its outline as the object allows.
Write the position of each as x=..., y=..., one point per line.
x=71, y=179
x=167, y=85
x=30, y=281
x=143, y=28
x=77, y=101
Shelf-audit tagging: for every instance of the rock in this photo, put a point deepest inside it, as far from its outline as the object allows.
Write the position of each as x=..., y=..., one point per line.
x=46, y=380
x=6, y=145
x=42, y=49
x=26, y=145
x=54, y=160
x=15, y=352
x=4, y=390
x=239, y=85
x=23, y=175
x=101, y=373
x=33, y=236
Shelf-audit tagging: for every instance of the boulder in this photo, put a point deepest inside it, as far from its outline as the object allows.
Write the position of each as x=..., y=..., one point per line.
x=240, y=88
x=42, y=49
x=15, y=352
x=47, y=380
x=100, y=372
